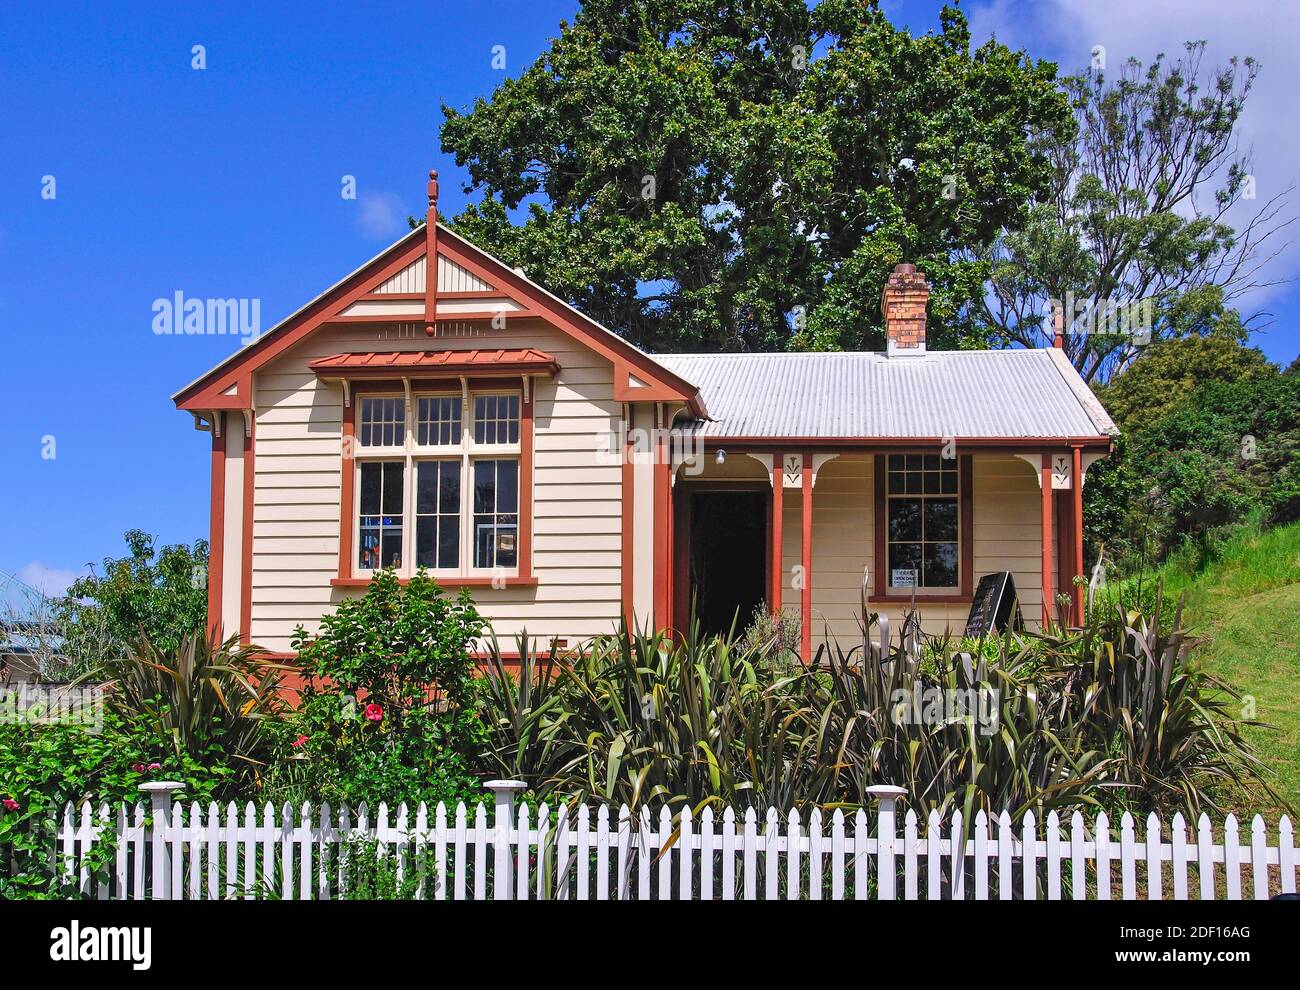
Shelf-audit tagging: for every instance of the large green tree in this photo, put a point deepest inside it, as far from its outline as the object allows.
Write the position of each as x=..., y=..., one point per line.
x=158, y=594
x=743, y=174
x=1152, y=225
x=1170, y=370
x=1212, y=437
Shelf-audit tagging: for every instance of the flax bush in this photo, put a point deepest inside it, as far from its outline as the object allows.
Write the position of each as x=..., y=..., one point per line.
x=1117, y=715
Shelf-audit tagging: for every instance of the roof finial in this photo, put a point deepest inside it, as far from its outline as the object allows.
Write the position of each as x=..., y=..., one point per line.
x=431, y=256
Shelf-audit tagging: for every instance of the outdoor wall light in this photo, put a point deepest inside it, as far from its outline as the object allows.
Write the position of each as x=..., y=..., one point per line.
x=721, y=456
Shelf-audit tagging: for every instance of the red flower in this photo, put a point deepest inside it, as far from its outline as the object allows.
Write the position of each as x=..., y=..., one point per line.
x=10, y=804
x=139, y=767
x=300, y=741
x=374, y=713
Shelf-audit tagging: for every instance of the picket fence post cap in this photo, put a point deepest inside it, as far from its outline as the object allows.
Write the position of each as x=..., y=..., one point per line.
x=886, y=791
x=506, y=785
x=162, y=786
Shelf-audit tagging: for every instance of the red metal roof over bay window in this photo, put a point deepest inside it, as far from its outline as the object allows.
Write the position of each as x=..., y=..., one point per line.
x=386, y=364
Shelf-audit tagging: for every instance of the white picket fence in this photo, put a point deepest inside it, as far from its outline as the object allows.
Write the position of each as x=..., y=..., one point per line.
x=194, y=853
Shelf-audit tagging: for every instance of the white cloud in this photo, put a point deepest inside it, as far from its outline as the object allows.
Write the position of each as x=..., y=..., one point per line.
x=1065, y=31
x=49, y=581
x=380, y=215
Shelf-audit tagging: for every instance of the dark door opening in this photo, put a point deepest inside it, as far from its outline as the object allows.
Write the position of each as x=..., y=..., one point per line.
x=727, y=558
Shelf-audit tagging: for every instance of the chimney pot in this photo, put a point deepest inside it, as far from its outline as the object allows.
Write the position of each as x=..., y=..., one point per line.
x=903, y=304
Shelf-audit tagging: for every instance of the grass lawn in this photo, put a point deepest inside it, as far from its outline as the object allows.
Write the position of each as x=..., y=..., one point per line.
x=1245, y=607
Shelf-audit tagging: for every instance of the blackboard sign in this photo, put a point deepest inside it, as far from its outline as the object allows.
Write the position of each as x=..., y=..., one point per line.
x=994, y=605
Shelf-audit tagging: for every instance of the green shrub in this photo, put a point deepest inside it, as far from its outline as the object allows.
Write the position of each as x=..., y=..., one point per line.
x=1165, y=725
x=640, y=719
x=200, y=713
x=777, y=635
x=373, y=872
x=388, y=711
x=43, y=767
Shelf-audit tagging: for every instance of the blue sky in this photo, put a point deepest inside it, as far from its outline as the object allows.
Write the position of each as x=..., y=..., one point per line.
x=225, y=182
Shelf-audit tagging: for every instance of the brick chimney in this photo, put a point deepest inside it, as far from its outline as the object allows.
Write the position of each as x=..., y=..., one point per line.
x=903, y=304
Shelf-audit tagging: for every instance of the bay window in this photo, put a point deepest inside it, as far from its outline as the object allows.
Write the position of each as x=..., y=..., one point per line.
x=437, y=482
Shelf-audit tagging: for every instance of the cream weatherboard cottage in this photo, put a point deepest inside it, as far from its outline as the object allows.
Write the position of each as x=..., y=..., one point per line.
x=438, y=408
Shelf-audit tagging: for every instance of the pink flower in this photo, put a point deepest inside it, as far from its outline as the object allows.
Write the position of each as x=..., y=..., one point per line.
x=10, y=804
x=155, y=766
x=300, y=741
x=374, y=713
x=139, y=767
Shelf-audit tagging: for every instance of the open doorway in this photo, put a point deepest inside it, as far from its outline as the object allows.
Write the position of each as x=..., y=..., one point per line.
x=728, y=562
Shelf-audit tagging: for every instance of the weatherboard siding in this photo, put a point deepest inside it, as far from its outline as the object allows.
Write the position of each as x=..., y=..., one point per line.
x=1007, y=537
x=1008, y=529
x=577, y=493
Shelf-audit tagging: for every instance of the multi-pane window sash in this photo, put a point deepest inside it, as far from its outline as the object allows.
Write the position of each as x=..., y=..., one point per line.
x=496, y=419
x=437, y=514
x=382, y=494
x=383, y=422
x=922, y=519
x=439, y=488
x=437, y=421
x=496, y=513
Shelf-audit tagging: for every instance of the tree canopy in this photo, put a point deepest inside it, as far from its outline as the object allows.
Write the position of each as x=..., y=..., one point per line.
x=1131, y=238
x=744, y=175
x=156, y=594
x=1170, y=370
x=1212, y=436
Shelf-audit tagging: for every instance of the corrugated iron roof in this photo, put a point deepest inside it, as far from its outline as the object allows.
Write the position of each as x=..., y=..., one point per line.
x=961, y=394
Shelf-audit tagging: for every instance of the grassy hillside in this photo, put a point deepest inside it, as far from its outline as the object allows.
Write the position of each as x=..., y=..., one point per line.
x=1244, y=604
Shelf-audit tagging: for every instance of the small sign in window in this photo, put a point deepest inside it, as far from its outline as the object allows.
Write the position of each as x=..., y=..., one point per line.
x=903, y=577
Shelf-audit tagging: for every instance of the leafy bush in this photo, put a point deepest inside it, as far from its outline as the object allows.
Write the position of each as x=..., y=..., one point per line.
x=387, y=712
x=198, y=714
x=374, y=872
x=42, y=767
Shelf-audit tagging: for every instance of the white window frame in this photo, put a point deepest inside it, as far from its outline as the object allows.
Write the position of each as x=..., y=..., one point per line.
x=410, y=453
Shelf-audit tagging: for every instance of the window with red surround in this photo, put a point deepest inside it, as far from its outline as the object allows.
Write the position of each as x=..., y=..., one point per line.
x=923, y=527
x=438, y=477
